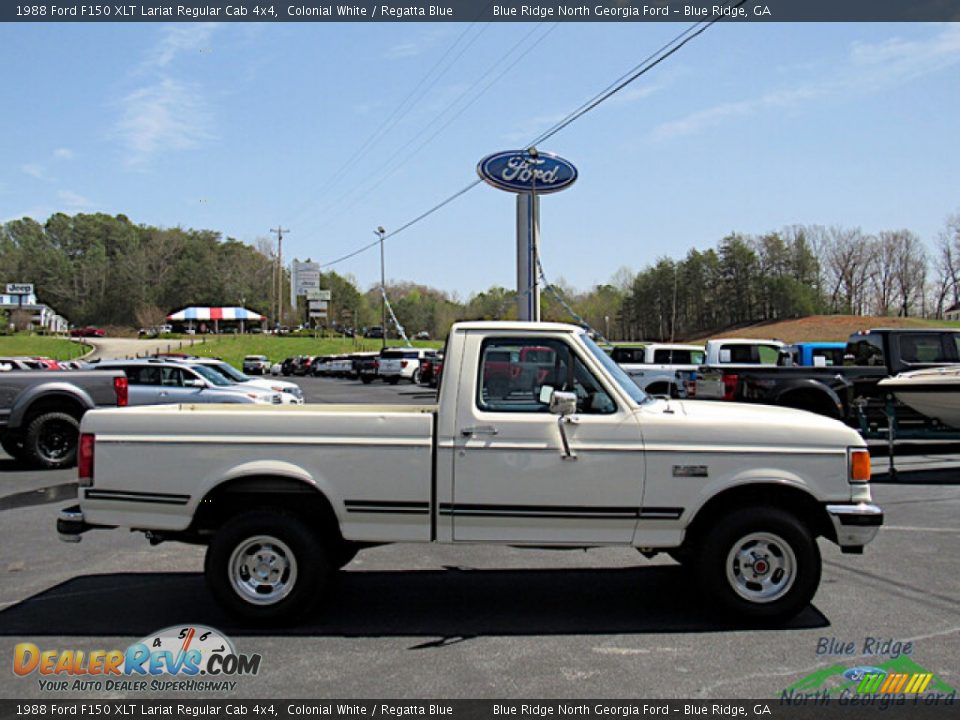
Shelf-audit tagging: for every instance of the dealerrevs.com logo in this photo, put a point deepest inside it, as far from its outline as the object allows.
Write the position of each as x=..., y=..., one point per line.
x=181, y=658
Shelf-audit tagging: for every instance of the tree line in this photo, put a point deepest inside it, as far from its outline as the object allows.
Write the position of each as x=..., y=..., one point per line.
x=107, y=270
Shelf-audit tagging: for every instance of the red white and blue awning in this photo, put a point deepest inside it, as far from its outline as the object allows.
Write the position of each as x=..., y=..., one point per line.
x=214, y=313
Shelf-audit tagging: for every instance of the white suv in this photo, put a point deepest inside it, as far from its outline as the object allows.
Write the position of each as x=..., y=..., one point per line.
x=397, y=363
x=290, y=393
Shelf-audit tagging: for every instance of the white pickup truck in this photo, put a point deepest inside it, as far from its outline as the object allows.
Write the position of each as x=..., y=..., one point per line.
x=659, y=369
x=716, y=379
x=580, y=457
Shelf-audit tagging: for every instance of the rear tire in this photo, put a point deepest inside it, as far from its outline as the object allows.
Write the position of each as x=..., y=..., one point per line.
x=51, y=440
x=415, y=378
x=393, y=380
x=267, y=566
x=759, y=563
x=366, y=379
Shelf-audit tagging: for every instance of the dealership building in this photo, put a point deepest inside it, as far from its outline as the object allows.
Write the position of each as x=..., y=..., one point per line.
x=21, y=296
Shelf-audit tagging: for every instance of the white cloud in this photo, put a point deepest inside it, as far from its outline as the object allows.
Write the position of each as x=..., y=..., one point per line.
x=179, y=39
x=168, y=115
x=869, y=68
x=35, y=170
x=73, y=200
x=702, y=119
x=402, y=50
x=63, y=154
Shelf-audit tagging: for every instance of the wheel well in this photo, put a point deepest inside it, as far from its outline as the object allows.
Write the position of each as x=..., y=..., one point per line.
x=798, y=503
x=661, y=387
x=53, y=403
x=257, y=492
x=815, y=401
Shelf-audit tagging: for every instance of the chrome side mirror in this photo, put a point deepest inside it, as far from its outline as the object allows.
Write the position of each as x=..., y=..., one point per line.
x=563, y=403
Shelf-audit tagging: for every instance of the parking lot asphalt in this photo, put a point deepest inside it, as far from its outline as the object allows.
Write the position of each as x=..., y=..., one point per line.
x=418, y=621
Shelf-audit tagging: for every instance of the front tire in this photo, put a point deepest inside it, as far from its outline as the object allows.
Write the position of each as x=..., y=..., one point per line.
x=415, y=378
x=267, y=566
x=51, y=440
x=760, y=563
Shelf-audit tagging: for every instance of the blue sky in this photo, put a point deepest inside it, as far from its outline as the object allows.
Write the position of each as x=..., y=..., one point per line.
x=239, y=127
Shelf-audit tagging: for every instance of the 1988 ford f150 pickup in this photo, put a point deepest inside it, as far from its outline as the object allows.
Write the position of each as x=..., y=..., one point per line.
x=284, y=495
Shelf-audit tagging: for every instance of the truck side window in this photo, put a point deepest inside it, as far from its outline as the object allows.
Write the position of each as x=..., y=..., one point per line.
x=867, y=352
x=917, y=348
x=513, y=371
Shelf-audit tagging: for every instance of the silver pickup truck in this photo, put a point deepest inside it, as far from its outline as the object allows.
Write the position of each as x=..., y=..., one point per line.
x=573, y=456
x=40, y=411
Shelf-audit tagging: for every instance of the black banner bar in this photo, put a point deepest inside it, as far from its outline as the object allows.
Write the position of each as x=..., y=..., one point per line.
x=482, y=10
x=854, y=708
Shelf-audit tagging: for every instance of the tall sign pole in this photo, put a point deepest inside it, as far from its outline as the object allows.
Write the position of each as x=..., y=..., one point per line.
x=528, y=173
x=380, y=232
x=279, y=230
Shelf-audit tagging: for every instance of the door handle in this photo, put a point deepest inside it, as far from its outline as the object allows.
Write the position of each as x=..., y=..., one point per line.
x=479, y=430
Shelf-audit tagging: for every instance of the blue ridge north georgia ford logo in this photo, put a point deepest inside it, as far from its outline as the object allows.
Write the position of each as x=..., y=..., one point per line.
x=521, y=171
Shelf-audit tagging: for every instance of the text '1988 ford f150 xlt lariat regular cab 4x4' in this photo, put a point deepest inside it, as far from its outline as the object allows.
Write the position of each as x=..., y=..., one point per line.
x=581, y=458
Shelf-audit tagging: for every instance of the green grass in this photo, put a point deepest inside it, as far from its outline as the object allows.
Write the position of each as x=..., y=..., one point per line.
x=233, y=348
x=36, y=345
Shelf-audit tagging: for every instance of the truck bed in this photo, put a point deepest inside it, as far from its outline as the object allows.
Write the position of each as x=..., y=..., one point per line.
x=377, y=447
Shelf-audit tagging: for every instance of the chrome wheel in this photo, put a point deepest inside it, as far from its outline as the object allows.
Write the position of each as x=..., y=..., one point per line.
x=761, y=567
x=263, y=570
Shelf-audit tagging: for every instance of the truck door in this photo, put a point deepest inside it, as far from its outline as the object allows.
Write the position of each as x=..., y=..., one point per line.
x=512, y=482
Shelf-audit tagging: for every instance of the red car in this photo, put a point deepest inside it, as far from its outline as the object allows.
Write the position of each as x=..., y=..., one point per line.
x=88, y=331
x=48, y=363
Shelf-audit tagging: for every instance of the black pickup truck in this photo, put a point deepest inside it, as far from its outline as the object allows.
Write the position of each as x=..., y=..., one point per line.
x=840, y=392
x=40, y=411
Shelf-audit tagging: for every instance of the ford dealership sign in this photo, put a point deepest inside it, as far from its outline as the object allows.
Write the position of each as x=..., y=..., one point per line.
x=520, y=171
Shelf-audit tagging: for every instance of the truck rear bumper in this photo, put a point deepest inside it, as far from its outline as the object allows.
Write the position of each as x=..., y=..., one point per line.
x=855, y=525
x=71, y=524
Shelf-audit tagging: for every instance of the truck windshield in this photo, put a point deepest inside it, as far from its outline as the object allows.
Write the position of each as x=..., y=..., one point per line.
x=615, y=371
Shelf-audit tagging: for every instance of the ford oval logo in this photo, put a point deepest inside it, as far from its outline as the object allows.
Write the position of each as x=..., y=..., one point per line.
x=520, y=172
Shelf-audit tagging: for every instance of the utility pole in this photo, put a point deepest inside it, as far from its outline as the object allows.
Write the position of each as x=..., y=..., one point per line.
x=380, y=232
x=279, y=230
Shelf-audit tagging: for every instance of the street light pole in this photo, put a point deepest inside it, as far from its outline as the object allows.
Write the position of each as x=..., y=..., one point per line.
x=380, y=232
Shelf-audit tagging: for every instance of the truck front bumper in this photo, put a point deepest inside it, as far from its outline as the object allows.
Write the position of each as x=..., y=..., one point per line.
x=855, y=525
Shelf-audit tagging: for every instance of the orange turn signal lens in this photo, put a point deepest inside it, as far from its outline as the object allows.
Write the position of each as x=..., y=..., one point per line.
x=859, y=466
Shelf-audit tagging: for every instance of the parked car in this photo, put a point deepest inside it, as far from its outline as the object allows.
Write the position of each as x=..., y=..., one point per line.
x=290, y=392
x=301, y=365
x=286, y=367
x=375, y=332
x=738, y=493
x=89, y=331
x=814, y=354
x=154, y=381
x=402, y=363
x=256, y=365
x=429, y=369
x=367, y=366
x=276, y=369
x=20, y=363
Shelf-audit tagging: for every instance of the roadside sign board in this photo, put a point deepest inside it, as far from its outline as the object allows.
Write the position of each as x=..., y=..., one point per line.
x=19, y=288
x=318, y=304
x=318, y=313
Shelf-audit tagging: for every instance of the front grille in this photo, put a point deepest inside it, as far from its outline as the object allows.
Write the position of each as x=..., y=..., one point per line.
x=276, y=400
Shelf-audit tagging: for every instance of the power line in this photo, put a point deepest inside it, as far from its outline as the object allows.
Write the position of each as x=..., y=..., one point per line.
x=679, y=41
x=362, y=188
x=405, y=105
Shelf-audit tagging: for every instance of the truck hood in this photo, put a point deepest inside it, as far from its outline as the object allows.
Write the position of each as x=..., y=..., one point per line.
x=746, y=425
